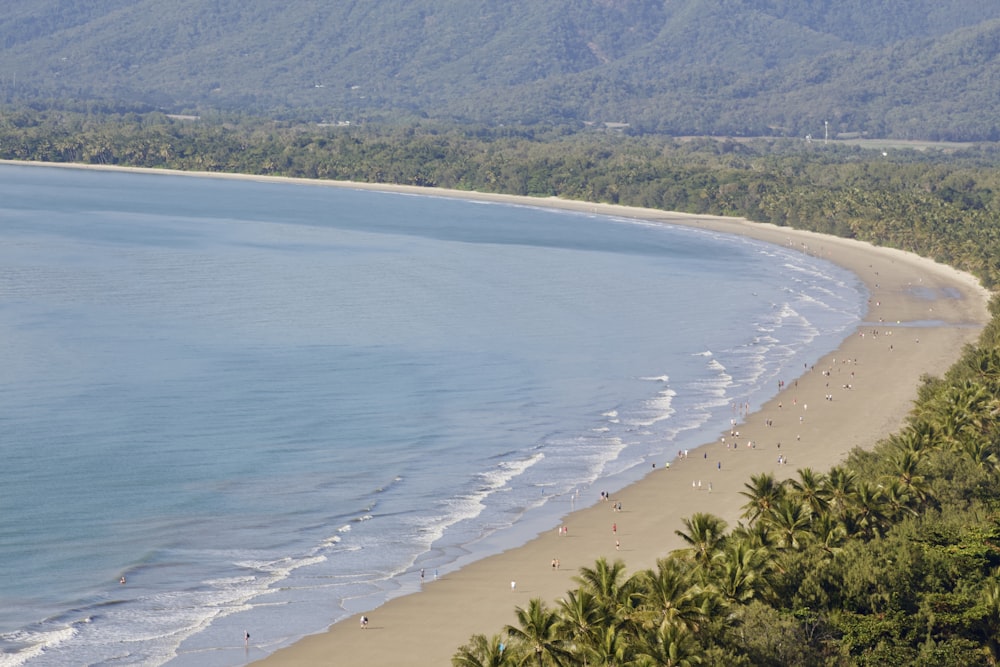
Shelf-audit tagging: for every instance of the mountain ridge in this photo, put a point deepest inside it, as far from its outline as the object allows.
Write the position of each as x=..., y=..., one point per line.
x=916, y=69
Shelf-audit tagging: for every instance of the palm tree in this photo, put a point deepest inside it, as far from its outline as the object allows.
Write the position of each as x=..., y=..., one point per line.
x=812, y=490
x=981, y=452
x=580, y=619
x=919, y=437
x=740, y=571
x=612, y=649
x=669, y=645
x=705, y=534
x=763, y=491
x=669, y=595
x=828, y=534
x=483, y=652
x=537, y=628
x=906, y=468
x=868, y=509
x=759, y=535
x=962, y=412
x=841, y=484
x=614, y=595
x=790, y=521
x=898, y=499
x=985, y=363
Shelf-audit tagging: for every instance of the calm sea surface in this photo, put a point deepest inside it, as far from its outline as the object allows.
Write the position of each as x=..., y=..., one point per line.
x=269, y=406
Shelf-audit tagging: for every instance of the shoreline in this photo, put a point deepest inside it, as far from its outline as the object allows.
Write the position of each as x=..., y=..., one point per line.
x=905, y=290
x=920, y=316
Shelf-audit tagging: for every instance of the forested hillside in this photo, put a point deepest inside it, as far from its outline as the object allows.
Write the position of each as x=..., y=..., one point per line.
x=905, y=69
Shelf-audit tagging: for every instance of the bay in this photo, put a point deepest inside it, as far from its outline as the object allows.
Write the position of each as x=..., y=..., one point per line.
x=271, y=405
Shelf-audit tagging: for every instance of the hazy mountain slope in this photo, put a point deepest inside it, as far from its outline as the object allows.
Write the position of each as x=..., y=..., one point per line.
x=896, y=67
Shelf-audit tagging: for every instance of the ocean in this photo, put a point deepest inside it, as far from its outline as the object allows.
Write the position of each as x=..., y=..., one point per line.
x=269, y=406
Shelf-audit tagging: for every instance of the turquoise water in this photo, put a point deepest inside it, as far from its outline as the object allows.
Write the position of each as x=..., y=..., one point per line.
x=268, y=406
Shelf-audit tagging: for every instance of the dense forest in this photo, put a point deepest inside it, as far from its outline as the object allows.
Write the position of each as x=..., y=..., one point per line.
x=892, y=558
x=906, y=69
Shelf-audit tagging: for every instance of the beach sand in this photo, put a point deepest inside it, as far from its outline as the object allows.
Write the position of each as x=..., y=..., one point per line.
x=923, y=313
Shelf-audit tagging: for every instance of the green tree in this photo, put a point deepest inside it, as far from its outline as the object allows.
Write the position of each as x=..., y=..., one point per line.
x=811, y=489
x=763, y=491
x=611, y=648
x=484, y=652
x=669, y=595
x=989, y=624
x=537, y=628
x=704, y=534
x=740, y=571
x=580, y=619
x=669, y=645
x=840, y=483
x=867, y=509
x=790, y=521
x=614, y=594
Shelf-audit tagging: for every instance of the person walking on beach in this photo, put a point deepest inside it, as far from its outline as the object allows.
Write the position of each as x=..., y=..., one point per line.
x=364, y=622
x=614, y=529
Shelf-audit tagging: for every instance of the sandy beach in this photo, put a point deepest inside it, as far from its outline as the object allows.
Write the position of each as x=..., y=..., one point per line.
x=920, y=316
